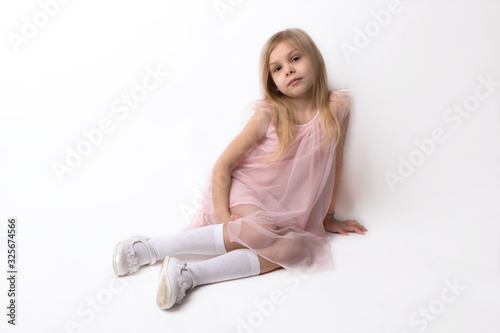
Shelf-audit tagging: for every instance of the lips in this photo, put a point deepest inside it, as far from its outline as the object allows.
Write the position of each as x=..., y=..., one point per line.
x=294, y=80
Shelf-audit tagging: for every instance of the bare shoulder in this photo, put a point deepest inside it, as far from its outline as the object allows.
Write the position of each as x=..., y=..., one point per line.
x=341, y=95
x=263, y=106
x=340, y=102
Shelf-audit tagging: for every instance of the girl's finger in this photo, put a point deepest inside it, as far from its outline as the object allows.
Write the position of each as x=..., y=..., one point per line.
x=343, y=232
x=359, y=231
x=360, y=226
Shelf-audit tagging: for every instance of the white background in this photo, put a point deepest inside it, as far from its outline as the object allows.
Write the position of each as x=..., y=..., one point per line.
x=439, y=224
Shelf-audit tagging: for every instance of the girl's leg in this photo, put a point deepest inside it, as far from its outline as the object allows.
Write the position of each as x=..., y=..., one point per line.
x=265, y=265
x=236, y=264
x=204, y=240
x=177, y=277
x=209, y=240
x=230, y=246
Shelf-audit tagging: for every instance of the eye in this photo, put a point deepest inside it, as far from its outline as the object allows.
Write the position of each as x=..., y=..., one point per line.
x=296, y=58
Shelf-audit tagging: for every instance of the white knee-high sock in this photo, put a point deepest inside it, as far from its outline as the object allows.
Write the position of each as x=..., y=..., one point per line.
x=207, y=240
x=235, y=264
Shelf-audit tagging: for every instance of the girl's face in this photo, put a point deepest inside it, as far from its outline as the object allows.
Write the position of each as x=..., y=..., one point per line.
x=291, y=70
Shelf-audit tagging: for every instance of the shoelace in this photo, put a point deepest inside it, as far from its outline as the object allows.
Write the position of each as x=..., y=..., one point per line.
x=182, y=284
x=183, y=267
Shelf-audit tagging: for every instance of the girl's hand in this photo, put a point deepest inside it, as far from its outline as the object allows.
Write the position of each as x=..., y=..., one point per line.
x=343, y=227
x=233, y=217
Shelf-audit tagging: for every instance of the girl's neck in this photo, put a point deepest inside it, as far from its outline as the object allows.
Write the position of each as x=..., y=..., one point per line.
x=304, y=105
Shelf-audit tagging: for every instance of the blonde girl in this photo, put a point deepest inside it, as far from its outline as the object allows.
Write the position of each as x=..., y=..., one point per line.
x=270, y=199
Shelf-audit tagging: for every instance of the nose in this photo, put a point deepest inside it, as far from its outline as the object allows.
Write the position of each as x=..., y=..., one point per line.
x=290, y=71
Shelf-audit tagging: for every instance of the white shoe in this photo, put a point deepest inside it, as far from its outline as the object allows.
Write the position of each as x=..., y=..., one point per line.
x=124, y=257
x=172, y=285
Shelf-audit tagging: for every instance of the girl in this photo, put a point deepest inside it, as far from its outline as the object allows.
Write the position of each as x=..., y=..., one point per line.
x=270, y=198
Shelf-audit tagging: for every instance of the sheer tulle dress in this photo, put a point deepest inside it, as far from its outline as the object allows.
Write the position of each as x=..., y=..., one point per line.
x=283, y=204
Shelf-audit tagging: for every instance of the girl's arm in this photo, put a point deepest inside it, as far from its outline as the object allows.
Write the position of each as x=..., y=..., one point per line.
x=339, y=163
x=330, y=223
x=221, y=173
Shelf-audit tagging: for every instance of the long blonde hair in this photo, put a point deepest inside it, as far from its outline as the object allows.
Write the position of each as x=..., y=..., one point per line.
x=283, y=117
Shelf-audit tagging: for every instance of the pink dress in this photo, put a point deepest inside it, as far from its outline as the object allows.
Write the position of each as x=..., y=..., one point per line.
x=283, y=204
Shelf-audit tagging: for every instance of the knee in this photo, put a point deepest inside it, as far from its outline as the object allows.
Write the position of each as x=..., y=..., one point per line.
x=256, y=236
x=291, y=247
x=267, y=266
x=227, y=241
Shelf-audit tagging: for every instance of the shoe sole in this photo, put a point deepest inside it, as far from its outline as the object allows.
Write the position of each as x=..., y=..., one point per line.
x=114, y=260
x=163, y=296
